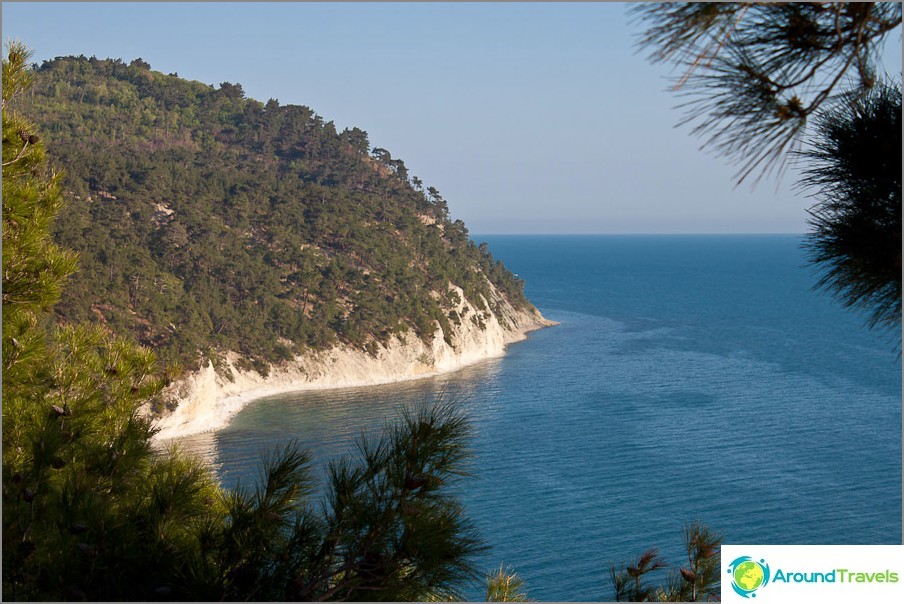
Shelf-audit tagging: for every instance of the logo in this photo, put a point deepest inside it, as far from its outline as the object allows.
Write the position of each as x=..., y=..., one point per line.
x=748, y=575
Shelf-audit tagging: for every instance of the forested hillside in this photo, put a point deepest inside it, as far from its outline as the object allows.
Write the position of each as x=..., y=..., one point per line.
x=207, y=221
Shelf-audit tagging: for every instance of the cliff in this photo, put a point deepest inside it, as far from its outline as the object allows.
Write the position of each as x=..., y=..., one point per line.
x=207, y=399
x=253, y=247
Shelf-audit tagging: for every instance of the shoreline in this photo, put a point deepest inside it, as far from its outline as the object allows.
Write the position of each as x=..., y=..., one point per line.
x=208, y=400
x=230, y=406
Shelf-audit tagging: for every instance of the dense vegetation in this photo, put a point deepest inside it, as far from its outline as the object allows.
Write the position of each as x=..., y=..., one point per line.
x=206, y=221
x=855, y=171
x=91, y=513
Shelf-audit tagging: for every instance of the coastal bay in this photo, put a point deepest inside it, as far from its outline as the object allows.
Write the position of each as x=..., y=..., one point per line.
x=690, y=378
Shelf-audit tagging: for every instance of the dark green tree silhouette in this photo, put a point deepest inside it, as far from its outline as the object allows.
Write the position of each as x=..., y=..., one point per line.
x=386, y=529
x=855, y=169
x=753, y=73
x=766, y=82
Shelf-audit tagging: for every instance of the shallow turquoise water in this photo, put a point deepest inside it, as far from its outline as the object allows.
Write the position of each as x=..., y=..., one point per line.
x=691, y=377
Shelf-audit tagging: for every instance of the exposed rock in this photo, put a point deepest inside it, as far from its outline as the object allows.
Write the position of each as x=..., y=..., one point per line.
x=208, y=399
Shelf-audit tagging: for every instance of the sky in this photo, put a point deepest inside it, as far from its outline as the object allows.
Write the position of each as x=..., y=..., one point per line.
x=527, y=117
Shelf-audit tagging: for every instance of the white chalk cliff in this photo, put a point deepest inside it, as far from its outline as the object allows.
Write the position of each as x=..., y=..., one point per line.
x=207, y=399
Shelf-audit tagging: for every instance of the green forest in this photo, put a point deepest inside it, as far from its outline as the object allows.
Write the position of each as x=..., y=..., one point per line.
x=247, y=242
x=90, y=510
x=151, y=224
x=207, y=222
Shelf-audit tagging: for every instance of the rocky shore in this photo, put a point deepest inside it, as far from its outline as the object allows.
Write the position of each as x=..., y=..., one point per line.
x=207, y=399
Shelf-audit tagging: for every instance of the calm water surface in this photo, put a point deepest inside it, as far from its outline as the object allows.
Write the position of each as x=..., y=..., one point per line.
x=690, y=378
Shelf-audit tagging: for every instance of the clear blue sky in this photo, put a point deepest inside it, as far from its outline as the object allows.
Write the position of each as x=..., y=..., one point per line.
x=528, y=117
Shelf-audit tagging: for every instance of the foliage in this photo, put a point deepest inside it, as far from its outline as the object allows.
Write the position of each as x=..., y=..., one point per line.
x=387, y=529
x=91, y=512
x=87, y=508
x=698, y=580
x=34, y=268
x=757, y=75
x=209, y=222
x=504, y=585
x=755, y=72
x=855, y=170
x=629, y=581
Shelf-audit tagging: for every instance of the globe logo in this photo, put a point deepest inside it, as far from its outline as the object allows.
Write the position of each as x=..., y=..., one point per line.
x=748, y=575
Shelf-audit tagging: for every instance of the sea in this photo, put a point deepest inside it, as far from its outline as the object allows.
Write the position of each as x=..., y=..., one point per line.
x=690, y=378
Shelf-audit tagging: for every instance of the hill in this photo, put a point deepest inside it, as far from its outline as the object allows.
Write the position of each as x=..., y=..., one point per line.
x=206, y=220
x=209, y=224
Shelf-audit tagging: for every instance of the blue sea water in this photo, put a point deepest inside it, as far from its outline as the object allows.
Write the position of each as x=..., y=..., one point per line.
x=690, y=378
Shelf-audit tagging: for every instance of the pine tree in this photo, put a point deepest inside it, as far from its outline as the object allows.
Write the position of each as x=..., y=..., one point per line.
x=855, y=173
x=504, y=585
x=754, y=72
x=629, y=580
x=92, y=512
x=34, y=268
x=698, y=580
x=88, y=510
x=766, y=82
x=387, y=529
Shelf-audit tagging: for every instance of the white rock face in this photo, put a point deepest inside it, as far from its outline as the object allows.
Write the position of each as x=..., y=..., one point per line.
x=207, y=399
